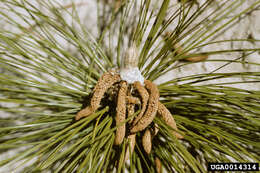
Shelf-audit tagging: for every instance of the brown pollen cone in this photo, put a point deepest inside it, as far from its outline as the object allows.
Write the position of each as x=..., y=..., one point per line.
x=121, y=113
x=166, y=115
x=145, y=96
x=152, y=108
x=106, y=81
x=147, y=141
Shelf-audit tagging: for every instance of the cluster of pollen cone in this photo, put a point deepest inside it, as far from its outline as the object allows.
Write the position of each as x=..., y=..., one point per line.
x=131, y=96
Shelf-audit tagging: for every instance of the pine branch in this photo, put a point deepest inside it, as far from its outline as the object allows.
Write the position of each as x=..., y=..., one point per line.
x=45, y=82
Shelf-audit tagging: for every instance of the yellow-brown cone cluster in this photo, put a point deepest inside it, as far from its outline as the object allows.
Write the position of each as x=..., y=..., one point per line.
x=146, y=96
